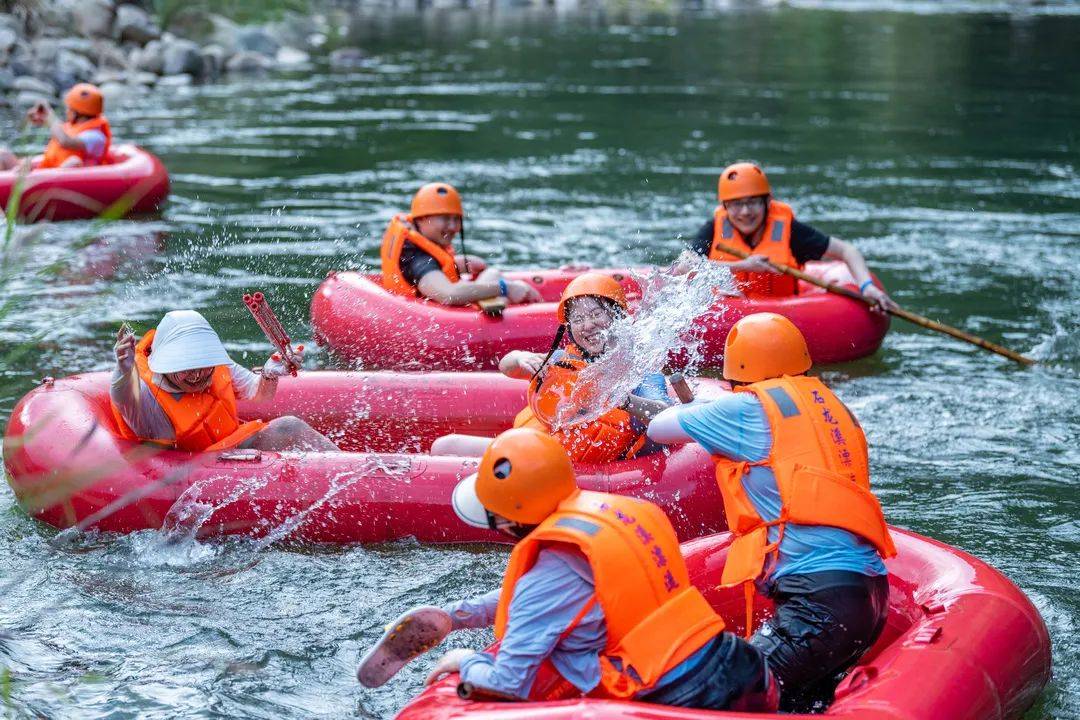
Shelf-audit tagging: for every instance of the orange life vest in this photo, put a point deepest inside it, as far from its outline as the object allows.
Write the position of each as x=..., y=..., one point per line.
x=202, y=421
x=775, y=244
x=654, y=617
x=56, y=154
x=820, y=462
x=399, y=232
x=610, y=437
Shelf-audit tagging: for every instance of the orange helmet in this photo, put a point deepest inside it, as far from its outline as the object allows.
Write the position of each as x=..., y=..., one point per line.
x=524, y=475
x=763, y=346
x=742, y=180
x=592, y=283
x=436, y=199
x=85, y=99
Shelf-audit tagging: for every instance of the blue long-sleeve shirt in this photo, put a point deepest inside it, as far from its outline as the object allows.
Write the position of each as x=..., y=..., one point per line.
x=546, y=600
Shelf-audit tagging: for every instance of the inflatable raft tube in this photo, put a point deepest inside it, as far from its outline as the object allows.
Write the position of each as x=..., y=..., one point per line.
x=135, y=178
x=362, y=323
x=68, y=466
x=961, y=642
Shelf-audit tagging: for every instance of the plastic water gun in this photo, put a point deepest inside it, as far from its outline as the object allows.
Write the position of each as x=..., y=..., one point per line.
x=273, y=329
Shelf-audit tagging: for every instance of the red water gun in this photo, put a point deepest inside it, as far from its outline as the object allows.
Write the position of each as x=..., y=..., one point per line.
x=273, y=329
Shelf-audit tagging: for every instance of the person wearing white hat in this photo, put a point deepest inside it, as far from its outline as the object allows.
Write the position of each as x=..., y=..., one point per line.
x=178, y=387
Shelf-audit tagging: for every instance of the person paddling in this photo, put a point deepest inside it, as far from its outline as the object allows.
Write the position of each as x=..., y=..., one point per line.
x=750, y=219
x=587, y=311
x=177, y=387
x=596, y=599
x=84, y=139
x=791, y=461
x=418, y=255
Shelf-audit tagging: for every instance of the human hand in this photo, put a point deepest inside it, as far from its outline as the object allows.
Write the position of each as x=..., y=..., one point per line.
x=39, y=114
x=124, y=349
x=882, y=303
x=450, y=662
x=470, y=264
x=757, y=263
x=518, y=291
x=276, y=367
x=529, y=362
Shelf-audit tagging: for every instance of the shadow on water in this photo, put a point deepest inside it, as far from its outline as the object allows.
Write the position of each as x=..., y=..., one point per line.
x=940, y=139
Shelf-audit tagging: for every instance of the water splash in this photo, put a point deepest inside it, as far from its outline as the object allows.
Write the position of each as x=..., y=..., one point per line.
x=675, y=307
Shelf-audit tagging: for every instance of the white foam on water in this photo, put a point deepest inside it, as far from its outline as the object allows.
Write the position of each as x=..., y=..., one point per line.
x=674, y=308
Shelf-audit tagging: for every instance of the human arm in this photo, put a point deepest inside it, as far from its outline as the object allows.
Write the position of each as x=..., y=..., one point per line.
x=840, y=250
x=546, y=601
x=733, y=425
x=436, y=286
x=520, y=364
x=473, y=613
x=44, y=116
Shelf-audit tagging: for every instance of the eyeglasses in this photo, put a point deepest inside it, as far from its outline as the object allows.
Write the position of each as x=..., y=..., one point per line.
x=597, y=315
x=754, y=203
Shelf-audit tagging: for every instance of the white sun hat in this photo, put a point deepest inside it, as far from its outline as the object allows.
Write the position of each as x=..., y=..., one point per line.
x=467, y=505
x=185, y=341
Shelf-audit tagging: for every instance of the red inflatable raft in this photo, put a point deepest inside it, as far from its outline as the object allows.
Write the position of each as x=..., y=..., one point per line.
x=961, y=643
x=135, y=182
x=363, y=323
x=68, y=466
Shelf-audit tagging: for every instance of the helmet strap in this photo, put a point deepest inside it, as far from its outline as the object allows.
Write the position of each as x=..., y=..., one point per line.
x=464, y=255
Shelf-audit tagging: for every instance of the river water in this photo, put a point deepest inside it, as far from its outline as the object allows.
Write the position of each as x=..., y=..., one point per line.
x=941, y=139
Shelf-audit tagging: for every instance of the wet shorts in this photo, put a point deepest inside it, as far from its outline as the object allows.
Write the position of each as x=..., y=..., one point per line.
x=823, y=624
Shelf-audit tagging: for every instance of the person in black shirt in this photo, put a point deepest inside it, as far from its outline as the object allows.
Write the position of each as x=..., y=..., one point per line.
x=747, y=210
x=418, y=257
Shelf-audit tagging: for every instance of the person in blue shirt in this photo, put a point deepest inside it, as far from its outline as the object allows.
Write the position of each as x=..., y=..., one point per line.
x=553, y=615
x=829, y=584
x=587, y=313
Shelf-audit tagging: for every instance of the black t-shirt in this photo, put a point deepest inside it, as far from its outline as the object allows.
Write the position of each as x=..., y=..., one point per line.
x=415, y=263
x=807, y=243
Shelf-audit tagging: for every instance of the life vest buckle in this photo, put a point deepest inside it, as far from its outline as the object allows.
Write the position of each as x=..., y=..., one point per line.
x=249, y=455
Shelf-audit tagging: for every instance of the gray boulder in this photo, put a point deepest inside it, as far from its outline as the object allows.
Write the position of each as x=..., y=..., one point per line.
x=133, y=24
x=56, y=13
x=258, y=40
x=75, y=66
x=248, y=61
x=143, y=78
x=109, y=55
x=149, y=58
x=225, y=34
x=45, y=50
x=8, y=38
x=80, y=46
x=93, y=18
x=104, y=77
x=291, y=57
x=213, y=58
x=116, y=92
x=34, y=85
x=181, y=56
x=7, y=79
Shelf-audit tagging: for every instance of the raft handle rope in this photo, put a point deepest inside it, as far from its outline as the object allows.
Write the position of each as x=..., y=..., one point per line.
x=272, y=328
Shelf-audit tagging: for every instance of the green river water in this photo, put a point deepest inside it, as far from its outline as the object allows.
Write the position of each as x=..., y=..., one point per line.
x=941, y=139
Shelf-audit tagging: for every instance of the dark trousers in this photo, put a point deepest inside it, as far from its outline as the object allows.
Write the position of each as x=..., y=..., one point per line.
x=823, y=624
x=732, y=675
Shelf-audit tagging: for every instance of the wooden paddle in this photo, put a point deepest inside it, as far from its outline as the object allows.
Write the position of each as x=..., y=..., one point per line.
x=898, y=312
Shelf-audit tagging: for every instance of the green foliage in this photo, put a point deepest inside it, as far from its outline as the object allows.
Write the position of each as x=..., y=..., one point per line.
x=169, y=12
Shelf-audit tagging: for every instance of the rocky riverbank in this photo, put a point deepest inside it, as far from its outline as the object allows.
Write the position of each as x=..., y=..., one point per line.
x=46, y=46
